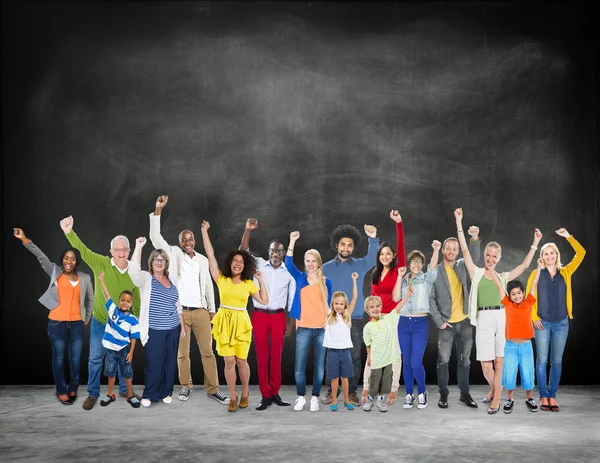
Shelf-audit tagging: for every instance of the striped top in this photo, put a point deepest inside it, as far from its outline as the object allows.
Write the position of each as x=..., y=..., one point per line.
x=121, y=327
x=379, y=335
x=163, y=311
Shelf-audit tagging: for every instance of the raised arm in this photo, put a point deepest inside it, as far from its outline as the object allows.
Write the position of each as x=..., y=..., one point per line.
x=499, y=287
x=400, y=252
x=458, y=215
x=402, y=303
x=577, y=247
x=103, y=285
x=155, y=236
x=262, y=296
x=325, y=294
x=515, y=272
x=135, y=266
x=474, y=244
x=536, y=278
x=289, y=259
x=251, y=224
x=369, y=260
x=41, y=257
x=210, y=252
x=435, y=257
x=354, y=293
x=94, y=260
x=397, y=291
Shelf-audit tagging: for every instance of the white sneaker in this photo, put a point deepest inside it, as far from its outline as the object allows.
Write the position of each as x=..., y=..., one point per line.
x=382, y=403
x=422, y=400
x=146, y=403
x=299, y=404
x=168, y=399
x=314, y=404
x=408, y=401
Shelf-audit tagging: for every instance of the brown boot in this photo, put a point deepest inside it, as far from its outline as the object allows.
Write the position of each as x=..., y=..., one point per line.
x=233, y=405
x=244, y=402
x=89, y=403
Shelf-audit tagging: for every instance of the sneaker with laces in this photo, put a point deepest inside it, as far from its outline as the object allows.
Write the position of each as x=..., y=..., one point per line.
x=409, y=401
x=508, y=406
x=167, y=399
x=382, y=403
x=368, y=405
x=314, y=404
x=531, y=405
x=146, y=403
x=223, y=400
x=184, y=393
x=422, y=400
x=327, y=399
x=299, y=404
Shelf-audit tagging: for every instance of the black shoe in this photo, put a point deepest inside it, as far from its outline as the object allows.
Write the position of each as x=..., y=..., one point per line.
x=468, y=400
x=508, y=406
x=531, y=405
x=279, y=401
x=264, y=403
x=492, y=410
x=443, y=402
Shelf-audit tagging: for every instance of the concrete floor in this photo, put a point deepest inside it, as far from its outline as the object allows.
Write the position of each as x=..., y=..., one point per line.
x=34, y=427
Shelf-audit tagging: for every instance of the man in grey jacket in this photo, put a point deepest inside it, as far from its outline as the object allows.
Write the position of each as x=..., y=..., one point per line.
x=449, y=307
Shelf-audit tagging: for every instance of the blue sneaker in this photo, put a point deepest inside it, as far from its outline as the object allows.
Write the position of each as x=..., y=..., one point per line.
x=349, y=406
x=333, y=407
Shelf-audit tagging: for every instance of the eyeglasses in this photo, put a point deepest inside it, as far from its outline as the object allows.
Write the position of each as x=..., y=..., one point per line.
x=121, y=249
x=158, y=260
x=276, y=251
x=416, y=261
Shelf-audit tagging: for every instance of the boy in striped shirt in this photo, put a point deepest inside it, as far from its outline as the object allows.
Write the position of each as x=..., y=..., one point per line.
x=122, y=329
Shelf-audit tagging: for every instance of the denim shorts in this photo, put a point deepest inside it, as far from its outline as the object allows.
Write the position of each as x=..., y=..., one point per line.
x=518, y=358
x=339, y=363
x=116, y=358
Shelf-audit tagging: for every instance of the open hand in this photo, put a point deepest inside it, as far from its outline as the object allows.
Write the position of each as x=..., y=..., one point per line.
x=251, y=224
x=371, y=231
x=395, y=216
x=67, y=224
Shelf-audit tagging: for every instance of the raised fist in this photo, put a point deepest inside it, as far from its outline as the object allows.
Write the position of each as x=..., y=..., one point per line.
x=20, y=234
x=251, y=224
x=67, y=224
x=537, y=235
x=161, y=201
x=371, y=231
x=294, y=235
x=563, y=232
x=205, y=225
x=354, y=276
x=458, y=213
x=473, y=232
x=141, y=241
x=436, y=245
x=395, y=216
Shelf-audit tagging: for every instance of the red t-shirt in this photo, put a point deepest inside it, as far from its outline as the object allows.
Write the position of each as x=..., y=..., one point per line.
x=385, y=287
x=519, y=324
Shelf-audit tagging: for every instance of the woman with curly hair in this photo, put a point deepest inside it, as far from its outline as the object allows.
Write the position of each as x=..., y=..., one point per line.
x=232, y=328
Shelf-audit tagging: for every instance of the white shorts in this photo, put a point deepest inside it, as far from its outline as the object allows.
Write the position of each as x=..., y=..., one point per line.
x=490, y=336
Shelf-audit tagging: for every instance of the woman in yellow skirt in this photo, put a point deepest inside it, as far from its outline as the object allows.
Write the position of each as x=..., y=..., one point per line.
x=232, y=328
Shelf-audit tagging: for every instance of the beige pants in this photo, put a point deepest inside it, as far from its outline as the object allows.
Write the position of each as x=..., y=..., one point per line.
x=396, y=367
x=198, y=322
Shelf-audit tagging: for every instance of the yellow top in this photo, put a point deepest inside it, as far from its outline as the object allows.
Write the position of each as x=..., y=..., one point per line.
x=235, y=295
x=458, y=299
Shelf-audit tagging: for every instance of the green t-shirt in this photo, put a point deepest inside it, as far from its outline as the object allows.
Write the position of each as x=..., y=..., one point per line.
x=487, y=294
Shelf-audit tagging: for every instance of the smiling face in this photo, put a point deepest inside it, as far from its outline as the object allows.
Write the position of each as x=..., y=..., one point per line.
x=237, y=265
x=158, y=264
x=188, y=242
x=345, y=248
x=311, y=263
x=416, y=265
x=339, y=304
x=276, y=254
x=450, y=251
x=120, y=252
x=550, y=256
x=125, y=302
x=374, y=309
x=516, y=295
x=69, y=261
x=491, y=256
x=386, y=256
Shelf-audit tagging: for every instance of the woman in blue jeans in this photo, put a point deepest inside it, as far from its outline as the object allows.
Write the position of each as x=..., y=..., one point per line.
x=69, y=299
x=310, y=306
x=413, y=326
x=551, y=315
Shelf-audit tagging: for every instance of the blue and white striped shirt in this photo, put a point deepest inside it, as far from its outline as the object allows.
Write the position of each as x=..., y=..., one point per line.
x=163, y=310
x=121, y=327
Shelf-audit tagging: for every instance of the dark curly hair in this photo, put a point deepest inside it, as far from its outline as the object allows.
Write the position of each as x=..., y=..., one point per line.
x=379, y=266
x=77, y=256
x=345, y=231
x=249, y=264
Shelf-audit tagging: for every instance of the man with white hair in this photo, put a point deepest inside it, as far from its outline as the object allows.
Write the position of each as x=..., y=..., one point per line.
x=117, y=279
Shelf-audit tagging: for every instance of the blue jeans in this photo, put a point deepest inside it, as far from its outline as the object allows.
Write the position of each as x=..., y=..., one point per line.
x=63, y=335
x=518, y=357
x=117, y=359
x=97, y=352
x=304, y=338
x=553, y=336
x=413, y=333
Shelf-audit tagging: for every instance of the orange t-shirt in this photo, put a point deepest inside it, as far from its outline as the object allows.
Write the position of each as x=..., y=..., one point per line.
x=312, y=313
x=69, y=301
x=518, y=318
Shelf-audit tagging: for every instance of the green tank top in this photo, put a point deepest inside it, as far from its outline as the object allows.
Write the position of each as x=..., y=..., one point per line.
x=487, y=293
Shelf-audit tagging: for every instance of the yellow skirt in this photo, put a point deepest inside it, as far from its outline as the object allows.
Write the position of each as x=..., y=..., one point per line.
x=232, y=331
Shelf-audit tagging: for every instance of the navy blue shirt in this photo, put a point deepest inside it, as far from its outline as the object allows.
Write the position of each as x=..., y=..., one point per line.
x=552, y=297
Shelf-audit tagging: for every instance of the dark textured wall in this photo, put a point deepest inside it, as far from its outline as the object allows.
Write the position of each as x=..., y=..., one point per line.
x=304, y=115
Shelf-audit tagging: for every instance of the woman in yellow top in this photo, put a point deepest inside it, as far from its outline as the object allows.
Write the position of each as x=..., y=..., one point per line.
x=232, y=328
x=551, y=313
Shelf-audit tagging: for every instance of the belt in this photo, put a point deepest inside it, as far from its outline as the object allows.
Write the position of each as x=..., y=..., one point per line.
x=492, y=307
x=256, y=309
x=191, y=308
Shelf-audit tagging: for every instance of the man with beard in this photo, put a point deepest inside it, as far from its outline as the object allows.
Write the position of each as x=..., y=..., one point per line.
x=270, y=318
x=344, y=240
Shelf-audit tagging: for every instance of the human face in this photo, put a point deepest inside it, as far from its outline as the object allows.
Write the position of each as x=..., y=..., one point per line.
x=120, y=252
x=158, y=264
x=450, y=251
x=339, y=304
x=492, y=256
x=345, y=248
x=125, y=302
x=516, y=295
x=374, y=310
x=237, y=265
x=276, y=254
x=310, y=263
x=69, y=261
x=188, y=242
x=550, y=257
x=416, y=265
x=386, y=256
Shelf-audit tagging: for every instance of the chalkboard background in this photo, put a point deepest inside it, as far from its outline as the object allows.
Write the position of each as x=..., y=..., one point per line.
x=305, y=116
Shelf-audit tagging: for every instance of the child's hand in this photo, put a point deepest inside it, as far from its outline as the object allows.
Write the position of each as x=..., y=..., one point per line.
x=141, y=242
x=129, y=357
x=354, y=276
x=369, y=361
x=436, y=245
x=101, y=276
x=401, y=272
x=395, y=216
x=490, y=266
x=540, y=264
x=409, y=292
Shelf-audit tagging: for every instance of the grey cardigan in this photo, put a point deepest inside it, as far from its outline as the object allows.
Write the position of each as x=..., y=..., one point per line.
x=440, y=298
x=50, y=298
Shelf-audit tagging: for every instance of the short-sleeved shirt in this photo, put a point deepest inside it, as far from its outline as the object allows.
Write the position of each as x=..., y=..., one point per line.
x=235, y=296
x=518, y=318
x=379, y=335
x=120, y=328
x=337, y=335
x=162, y=310
x=456, y=292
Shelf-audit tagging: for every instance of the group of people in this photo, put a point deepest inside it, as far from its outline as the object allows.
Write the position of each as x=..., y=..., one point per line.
x=174, y=298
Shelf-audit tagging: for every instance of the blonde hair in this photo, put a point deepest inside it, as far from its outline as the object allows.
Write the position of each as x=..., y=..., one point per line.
x=332, y=317
x=495, y=245
x=553, y=246
x=372, y=299
x=317, y=256
x=153, y=255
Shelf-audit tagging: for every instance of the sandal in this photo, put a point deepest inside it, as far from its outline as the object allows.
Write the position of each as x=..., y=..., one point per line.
x=554, y=407
x=392, y=396
x=107, y=400
x=133, y=401
x=544, y=406
x=492, y=410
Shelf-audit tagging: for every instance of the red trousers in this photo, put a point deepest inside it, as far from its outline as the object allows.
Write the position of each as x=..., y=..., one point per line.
x=269, y=380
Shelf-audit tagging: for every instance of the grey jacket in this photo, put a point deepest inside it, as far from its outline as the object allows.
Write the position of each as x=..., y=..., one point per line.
x=440, y=298
x=50, y=298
